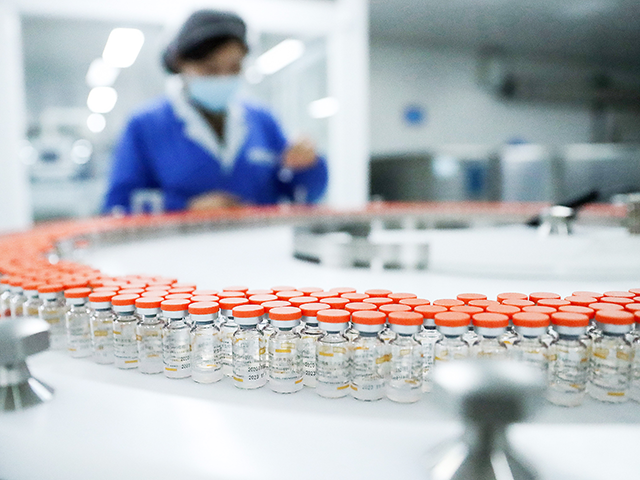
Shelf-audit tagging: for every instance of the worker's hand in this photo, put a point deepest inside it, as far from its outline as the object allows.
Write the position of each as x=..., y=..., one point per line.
x=212, y=201
x=300, y=155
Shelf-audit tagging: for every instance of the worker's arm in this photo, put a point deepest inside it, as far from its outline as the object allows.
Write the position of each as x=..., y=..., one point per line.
x=130, y=169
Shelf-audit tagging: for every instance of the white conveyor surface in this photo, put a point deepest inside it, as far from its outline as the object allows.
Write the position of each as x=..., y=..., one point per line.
x=104, y=423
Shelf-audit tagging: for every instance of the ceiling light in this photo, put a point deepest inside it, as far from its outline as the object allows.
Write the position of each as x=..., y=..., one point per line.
x=96, y=122
x=102, y=99
x=100, y=74
x=324, y=108
x=123, y=46
x=280, y=56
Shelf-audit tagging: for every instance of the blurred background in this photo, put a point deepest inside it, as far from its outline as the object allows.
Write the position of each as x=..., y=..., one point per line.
x=408, y=99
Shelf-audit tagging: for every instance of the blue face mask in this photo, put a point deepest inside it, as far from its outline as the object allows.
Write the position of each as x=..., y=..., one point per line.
x=213, y=93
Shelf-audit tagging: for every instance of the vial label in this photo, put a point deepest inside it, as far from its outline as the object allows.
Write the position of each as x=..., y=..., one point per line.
x=226, y=347
x=610, y=370
x=125, y=346
x=536, y=356
x=102, y=340
x=79, y=337
x=176, y=353
x=332, y=370
x=57, y=331
x=368, y=372
x=248, y=362
x=309, y=345
x=568, y=372
x=285, y=365
x=31, y=311
x=149, y=348
x=205, y=357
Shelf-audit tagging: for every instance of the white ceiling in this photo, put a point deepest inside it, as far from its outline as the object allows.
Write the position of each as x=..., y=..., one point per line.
x=606, y=31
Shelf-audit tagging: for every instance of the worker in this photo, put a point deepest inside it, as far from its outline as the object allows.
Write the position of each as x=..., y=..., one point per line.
x=203, y=146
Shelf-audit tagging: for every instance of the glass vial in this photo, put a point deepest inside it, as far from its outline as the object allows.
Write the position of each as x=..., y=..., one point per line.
x=530, y=347
x=248, y=348
x=33, y=302
x=404, y=383
x=5, y=297
x=176, y=339
x=149, y=335
x=369, y=356
x=333, y=374
x=102, y=317
x=451, y=347
x=568, y=359
x=490, y=328
x=18, y=298
x=53, y=311
x=610, y=373
x=125, y=325
x=427, y=338
x=228, y=327
x=309, y=336
x=284, y=349
x=205, y=343
x=78, y=323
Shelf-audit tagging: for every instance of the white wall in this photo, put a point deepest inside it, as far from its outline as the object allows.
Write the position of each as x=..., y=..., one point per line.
x=459, y=110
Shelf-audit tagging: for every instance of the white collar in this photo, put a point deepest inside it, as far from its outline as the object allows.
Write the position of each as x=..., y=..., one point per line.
x=198, y=130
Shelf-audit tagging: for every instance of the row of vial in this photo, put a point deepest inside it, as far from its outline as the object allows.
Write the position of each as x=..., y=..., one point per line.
x=369, y=347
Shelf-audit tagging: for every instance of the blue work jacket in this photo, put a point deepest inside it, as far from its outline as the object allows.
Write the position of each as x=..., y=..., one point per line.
x=169, y=146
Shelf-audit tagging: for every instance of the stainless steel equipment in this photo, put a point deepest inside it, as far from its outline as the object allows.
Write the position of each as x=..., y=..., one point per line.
x=20, y=338
x=490, y=395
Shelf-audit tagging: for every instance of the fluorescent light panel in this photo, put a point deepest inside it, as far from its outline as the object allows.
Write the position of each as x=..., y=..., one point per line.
x=101, y=74
x=102, y=99
x=123, y=47
x=280, y=56
x=324, y=108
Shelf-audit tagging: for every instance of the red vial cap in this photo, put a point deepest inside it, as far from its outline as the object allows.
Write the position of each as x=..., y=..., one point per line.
x=288, y=294
x=413, y=302
x=149, y=302
x=429, y=311
x=619, y=293
x=333, y=315
x=394, y=307
x=354, y=297
x=231, y=303
x=77, y=292
x=490, y=320
x=397, y=296
x=537, y=296
x=580, y=301
x=381, y=292
x=405, y=318
x=297, y=301
x=614, y=317
x=285, y=313
x=468, y=297
x=503, y=296
x=260, y=299
x=553, y=302
x=635, y=291
x=531, y=319
x=568, y=319
x=359, y=306
x=452, y=319
x=368, y=317
x=312, y=309
x=204, y=308
x=121, y=300
x=176, y=305
x=335, y=302
x=448, y=302
x=248, y=311
x=99, y=297
x=379, y=301
x=236, y=288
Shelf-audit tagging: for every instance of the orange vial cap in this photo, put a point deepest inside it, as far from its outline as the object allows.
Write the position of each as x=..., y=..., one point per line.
x=309, y=290
x=359, y=306
x=368, y=317
x=312, y=309
x=297, y=301
x=50, y=288
x=405, y=318
x=260, y=299
x=605, y=306
x=452, y=319
x=397, y=296
x=448, y=302
x=537, y=296
x=553, y=302
x=354, y=297
x=381, y=292
x=100, y=297
x=508, y=310
x=248, y=311
x=203, y=308
x=540, y=309
x=184, y=296
x=149, y=302
x=282, y=288
x=614, y=317
x=341, y=290
x=583, y=293
x=394, y=307
x=201, y=291
x=503, y=296
x=617, y=300
x=469, y=297
x=236, y=288
x=231, y=303
x=467, y=309
x=81, y=292
x=580, y=301
x=531, y=319
x=490, y=320
x=122, y=300
x=577, y=309
x=288, y=294
x=516, y=302
x=333, y=315
x=483, y=303
x=379, y=301
x=285, y=313
x=275, y=304
x=568, y=319
x=619, y=293
x=258, y=291
x=413, y=302
x=336, y=302
x=322, y=295
x=222, y=295
x=204, y=298
x=429, y=311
